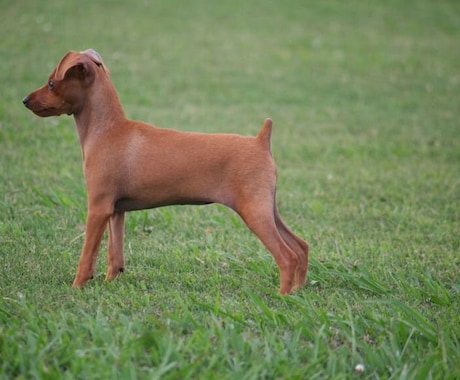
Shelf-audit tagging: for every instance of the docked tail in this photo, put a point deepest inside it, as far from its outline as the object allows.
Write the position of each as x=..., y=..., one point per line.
x=265, y=133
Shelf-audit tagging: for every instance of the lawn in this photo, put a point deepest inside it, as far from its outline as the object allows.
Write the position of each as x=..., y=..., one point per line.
x=365, y=102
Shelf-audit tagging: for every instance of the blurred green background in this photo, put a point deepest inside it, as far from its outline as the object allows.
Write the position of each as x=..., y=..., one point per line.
x=365, y=102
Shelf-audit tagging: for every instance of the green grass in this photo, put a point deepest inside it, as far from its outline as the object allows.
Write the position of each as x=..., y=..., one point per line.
x=365, y=102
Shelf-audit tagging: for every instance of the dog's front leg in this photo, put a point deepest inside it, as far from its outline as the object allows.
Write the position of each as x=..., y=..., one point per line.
x=95, y=226
x=115, y=259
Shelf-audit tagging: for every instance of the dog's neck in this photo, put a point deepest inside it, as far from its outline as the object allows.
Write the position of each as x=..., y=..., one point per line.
x=100, y=112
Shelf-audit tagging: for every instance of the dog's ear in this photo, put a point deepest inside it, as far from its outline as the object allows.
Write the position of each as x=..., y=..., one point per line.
x=80, y=70
x=96, y=58
x=94, y=55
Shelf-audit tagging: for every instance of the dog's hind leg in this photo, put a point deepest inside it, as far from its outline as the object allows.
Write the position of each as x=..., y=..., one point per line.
x=260, y=219
x=298, y=245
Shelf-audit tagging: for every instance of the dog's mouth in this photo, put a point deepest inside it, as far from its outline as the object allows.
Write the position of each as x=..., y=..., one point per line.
x=44, y=112
x=44, y=108
x=49, y=111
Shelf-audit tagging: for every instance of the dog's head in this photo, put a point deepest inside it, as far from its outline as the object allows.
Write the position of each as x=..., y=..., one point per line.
x=67, y=86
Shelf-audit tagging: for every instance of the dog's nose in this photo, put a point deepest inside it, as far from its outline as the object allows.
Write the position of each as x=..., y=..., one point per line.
x=25, y=101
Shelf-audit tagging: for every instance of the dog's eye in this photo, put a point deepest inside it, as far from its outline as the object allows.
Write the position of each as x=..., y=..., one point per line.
x=51, y=84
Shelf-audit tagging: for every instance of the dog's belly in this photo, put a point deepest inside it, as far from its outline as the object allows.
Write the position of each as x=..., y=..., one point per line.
x=131, y=204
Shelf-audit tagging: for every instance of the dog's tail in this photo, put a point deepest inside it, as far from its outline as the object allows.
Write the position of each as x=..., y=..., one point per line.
x=265, y=133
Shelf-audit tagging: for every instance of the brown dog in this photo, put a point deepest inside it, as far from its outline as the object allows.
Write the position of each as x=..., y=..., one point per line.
x=130, y=165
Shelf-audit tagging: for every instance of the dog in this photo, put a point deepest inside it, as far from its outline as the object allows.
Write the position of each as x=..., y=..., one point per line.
x=131, y=165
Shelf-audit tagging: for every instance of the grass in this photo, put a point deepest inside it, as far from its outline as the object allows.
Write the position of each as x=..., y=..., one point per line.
x=364, y=98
